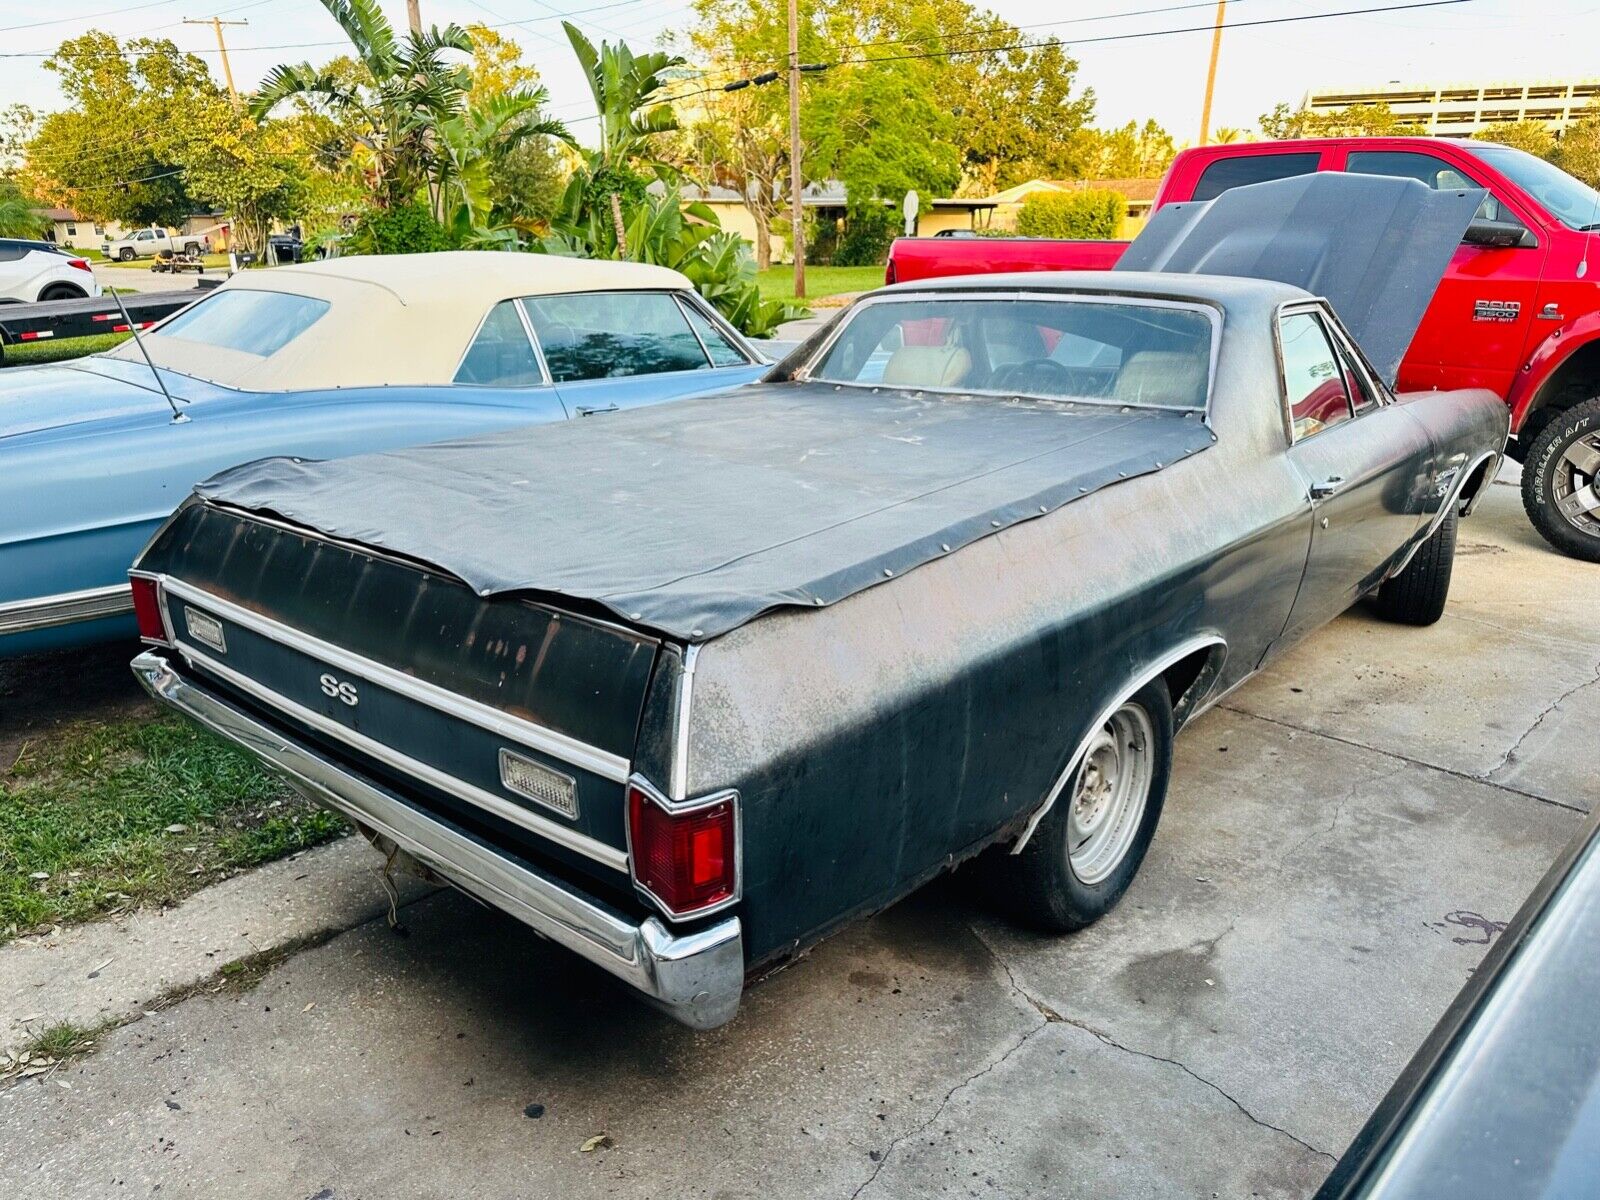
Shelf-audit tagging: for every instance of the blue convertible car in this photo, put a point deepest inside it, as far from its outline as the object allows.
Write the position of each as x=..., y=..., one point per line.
x=317, y=361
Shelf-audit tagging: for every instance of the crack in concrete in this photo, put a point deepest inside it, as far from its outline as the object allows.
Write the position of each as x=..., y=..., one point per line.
x=1052, y=1016
x=1405, y=758
x=1339, y=807
x=1509, y=756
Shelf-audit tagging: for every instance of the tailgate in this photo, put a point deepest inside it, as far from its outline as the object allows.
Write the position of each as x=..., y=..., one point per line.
x=514, y=718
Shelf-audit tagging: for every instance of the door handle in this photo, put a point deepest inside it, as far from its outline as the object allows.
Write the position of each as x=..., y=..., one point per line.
x=1330, y=485
x=588, y=410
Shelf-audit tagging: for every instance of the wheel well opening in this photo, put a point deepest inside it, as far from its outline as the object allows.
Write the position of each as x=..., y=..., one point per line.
x=1182, y=675
x=1574, y=381
x=1475, y=483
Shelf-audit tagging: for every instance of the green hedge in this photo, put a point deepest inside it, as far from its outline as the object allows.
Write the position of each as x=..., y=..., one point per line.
x=1088, y=214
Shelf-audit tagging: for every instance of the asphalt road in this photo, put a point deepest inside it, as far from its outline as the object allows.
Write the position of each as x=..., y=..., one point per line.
x=1343, y=839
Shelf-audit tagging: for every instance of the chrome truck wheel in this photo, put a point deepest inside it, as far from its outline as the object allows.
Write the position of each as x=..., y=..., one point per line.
x=1561, y=481
x=1087, y=849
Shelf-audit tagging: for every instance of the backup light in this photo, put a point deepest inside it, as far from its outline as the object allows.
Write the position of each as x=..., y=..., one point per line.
x=147, y=610
x=685, y=857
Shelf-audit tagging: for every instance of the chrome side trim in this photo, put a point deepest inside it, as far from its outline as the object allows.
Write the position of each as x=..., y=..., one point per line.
x=65, y=608
x=558, y=745
x=390, y=757
x=696, y=978
x=1492, y=457
x=1150, y=672
x=678, y=789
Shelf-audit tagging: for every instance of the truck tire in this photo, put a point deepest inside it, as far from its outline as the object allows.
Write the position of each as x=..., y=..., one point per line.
x=1561, y=481
x=1087, y=849
x=126, y=254
x=1416, y=596
x=191, y=247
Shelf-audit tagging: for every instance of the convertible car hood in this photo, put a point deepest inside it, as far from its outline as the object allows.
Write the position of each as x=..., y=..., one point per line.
x=696, y=517
x=1375, y=247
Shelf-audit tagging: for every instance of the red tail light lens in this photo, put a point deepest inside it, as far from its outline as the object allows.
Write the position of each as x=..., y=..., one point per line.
x=147, y=611
x=685, y=858
x=79, y=264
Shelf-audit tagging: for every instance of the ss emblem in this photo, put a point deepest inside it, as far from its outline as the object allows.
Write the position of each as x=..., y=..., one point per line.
x=340, y=691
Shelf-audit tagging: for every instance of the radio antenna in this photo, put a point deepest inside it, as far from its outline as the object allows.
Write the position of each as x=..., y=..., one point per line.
x=178, y=418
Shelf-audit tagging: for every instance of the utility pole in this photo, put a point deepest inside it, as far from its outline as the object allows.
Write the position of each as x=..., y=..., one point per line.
x=797, y=229
x=414, y=15
x=1211, y=73
x=216, y=24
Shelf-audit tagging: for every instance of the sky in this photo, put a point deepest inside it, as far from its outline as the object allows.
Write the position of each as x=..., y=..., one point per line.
x=1133, y=78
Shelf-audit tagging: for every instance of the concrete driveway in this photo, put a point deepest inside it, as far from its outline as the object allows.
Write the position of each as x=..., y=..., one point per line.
x=1344, y=837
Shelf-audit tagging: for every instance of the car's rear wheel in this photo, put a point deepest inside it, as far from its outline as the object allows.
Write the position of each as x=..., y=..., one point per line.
x=1089, y=846
x=1561, y=481
x=126, y=254
x=1417, y=595
x=62, y=291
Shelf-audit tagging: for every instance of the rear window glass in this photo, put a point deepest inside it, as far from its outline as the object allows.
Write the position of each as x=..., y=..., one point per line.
x=1055, y=349
x=601, y=335
x=259, y=323
x=1244, y=169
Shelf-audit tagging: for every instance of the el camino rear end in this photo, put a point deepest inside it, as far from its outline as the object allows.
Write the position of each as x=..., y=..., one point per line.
x=490, y=740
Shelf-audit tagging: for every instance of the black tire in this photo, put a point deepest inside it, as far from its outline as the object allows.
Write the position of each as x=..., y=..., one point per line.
x=1549, y=475
x=62, y=291
x=1039, y=887
x=191, y=247
x=1416, y=596
x=126, y=254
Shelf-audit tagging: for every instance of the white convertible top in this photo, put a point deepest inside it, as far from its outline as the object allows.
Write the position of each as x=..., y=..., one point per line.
x=393, y=319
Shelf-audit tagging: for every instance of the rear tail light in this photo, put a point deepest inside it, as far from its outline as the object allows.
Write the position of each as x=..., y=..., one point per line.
x=79, y=264
x=889, y=273
x=147, y=610
x=685, y=856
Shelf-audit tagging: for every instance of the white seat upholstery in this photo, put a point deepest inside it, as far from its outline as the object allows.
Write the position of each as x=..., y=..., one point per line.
x=1162, y=377
x=927, y=366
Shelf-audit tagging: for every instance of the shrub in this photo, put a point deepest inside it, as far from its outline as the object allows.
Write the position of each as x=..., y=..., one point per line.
x=403, y=229
x=868, y=230
x=1096, y=213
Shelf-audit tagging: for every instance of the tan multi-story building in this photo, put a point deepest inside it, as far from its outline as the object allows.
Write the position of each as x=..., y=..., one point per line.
x=1460, y=109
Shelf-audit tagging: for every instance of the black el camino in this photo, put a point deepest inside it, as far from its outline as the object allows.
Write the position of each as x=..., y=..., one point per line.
x=685, y=688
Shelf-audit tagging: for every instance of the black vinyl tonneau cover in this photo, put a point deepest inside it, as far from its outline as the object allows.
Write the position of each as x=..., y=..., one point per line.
x=694, y=518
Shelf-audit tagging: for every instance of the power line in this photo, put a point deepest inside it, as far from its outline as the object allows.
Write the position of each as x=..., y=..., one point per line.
x=110, y=12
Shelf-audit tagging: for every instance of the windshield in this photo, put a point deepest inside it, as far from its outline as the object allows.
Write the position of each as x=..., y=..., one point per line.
x=1064, y=348
x=258, y=323
x=1571, y=201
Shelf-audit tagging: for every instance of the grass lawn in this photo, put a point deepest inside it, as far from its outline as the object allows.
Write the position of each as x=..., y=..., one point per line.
x=143, y=264
x=107, y=816
x=777, y=283
x=32, y=354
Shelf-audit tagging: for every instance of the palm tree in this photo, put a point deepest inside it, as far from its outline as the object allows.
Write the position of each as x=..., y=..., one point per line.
x=628, y=98
x=19, y=217
x=411, y=89
x=472, y=144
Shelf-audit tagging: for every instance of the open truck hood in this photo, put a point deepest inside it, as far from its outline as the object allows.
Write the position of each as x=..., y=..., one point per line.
x=695, y=517
x=1374, y=247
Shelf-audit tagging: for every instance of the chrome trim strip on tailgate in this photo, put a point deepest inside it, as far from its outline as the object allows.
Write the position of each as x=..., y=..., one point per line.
x=558, y=745
x=390, y=757
x=696, y=977
x=64, y=608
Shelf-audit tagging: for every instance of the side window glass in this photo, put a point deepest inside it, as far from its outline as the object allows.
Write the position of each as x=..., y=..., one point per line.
x=1239, y=170
x=500, y=355
x=604, y=335
x=1425, y=169
x=1312, y=376
x=1361, y=397
x=723, y=353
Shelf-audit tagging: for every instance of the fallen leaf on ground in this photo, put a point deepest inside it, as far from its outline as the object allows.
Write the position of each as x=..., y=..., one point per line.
x=600, y=1141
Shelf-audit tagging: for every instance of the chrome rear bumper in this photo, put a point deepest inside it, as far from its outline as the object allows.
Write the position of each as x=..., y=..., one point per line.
x=695, y=978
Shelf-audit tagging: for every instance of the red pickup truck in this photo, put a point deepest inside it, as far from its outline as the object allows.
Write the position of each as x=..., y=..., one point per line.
x=1518, y=312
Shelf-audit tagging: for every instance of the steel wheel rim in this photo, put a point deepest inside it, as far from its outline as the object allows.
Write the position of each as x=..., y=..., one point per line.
x=1576, y=486
x=1110, y=794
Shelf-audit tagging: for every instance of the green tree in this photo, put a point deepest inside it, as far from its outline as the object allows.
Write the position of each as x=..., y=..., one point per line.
x=1132, y=151
x=1092, y=213
x=254, y=173
x=1578, y=152
x=112, y=154
x=406, y=89
x=1018, y=117
x=524, y=173
x=1533, y=136
x=19, y=216
x=1358, y=120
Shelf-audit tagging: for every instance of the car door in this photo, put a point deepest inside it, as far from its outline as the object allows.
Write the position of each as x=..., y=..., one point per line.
x=14, y=270
x=606, y=351
x=1360, y=457
x=1490, y=290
